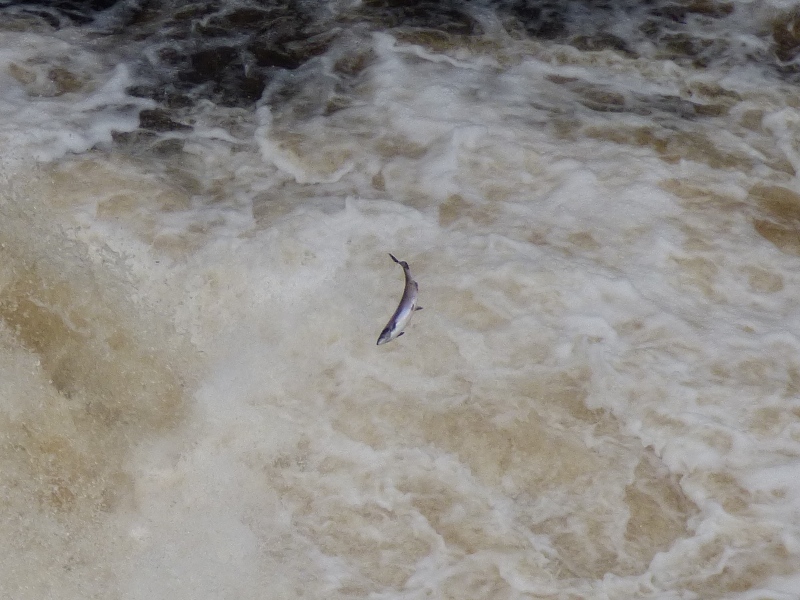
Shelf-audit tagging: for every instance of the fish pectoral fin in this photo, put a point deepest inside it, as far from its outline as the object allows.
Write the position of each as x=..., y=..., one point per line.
x=401, y=333
x=418, y=308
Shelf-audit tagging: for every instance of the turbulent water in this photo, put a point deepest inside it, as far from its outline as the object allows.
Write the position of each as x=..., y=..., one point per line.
x=600, y=202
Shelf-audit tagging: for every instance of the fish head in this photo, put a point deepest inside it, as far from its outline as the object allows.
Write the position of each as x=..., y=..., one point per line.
x=385, y=336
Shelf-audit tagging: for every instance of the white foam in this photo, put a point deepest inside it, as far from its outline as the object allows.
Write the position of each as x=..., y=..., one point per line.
x=48, y=123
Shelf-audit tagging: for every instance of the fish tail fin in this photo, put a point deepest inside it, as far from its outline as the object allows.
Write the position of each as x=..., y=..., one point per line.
x=402, y=263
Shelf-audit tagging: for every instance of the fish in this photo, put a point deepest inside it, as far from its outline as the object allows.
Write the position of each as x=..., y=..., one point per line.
x=406, y=308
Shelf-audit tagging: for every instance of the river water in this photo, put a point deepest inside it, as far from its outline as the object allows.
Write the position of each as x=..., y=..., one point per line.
x=599, y=201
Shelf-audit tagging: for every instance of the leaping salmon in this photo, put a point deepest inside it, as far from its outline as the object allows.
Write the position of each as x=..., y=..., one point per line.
x=408, y=304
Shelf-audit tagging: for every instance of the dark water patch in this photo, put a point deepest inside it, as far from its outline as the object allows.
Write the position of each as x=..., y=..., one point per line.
x=159, y=120
x=39, y=79
x=708, y=100
x=228, y=55
x=693, y=33
x=58, y=13
x=545, y=20
x=673, y=146
x=750, y=569
x=445, y=16
x=602, y=100
x=231, y=53
x=786, y=36
x=267, y=56
x=352, y=64
x=602, y=41
x=166, y=96
x=684, y=45
x=780, y=219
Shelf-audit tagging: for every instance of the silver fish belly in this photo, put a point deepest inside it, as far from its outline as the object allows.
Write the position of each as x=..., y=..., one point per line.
x=408, y=304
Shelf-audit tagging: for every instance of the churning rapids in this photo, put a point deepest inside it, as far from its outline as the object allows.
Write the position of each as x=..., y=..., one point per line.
x=601, y=205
